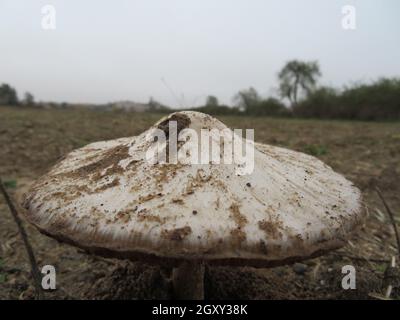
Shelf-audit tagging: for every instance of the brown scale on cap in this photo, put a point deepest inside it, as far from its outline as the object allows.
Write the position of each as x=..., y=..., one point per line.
x=177, y=234
x=237, y=217
x=238, y=236
x=109, y=160
x=272, y=228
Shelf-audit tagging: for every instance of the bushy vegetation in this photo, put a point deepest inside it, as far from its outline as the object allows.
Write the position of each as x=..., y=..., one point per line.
x=8, y=95
x=213, y=107
x=379, y=100
x=246, y=102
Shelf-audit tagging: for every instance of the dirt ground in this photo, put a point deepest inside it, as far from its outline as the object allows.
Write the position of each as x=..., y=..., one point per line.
x=366, y=153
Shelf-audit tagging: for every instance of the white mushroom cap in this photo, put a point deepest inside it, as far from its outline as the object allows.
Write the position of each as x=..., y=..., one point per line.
x=108, y=199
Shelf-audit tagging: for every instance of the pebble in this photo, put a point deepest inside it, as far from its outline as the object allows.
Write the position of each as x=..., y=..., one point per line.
x=300, y=268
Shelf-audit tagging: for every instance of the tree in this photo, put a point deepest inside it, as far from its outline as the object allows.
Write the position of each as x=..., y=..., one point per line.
x=212, y=101
x=29, y=99
x=8, y=95
x=297, y=75
x=247, y=100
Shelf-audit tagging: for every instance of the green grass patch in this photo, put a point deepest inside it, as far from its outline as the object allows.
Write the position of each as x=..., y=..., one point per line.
x=10, y=184
x=381, y=267
x=315, y=150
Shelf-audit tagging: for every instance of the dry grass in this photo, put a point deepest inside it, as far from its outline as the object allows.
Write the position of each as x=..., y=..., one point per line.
x=366, y=153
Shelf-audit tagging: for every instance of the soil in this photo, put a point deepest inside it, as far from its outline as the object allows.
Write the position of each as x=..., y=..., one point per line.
x=367, y=153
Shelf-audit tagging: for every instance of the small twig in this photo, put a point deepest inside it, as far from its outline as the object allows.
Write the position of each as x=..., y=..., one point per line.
x=28, y=247
x=377, y=296
x=315, y=270
x=387, y=273
x=392, y=220
x=388, y=291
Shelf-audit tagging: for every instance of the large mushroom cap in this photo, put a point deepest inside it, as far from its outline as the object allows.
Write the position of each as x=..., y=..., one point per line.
x=109, y=199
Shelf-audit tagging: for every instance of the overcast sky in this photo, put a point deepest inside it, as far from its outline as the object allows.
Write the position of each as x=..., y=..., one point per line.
x=179, y=51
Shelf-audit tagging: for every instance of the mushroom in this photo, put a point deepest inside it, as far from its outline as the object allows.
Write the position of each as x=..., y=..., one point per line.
x=109, y=199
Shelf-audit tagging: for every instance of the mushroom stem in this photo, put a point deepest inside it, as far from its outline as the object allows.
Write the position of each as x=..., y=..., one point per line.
x=188, y=281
